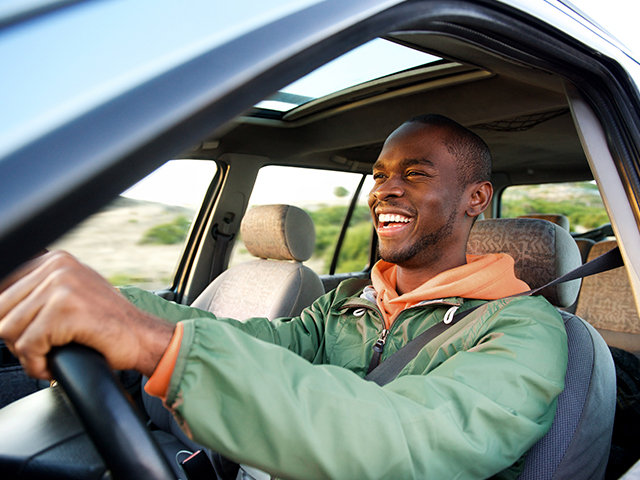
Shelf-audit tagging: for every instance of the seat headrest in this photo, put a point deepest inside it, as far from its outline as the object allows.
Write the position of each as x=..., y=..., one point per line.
x=556, y=218
x=278, y=232
x=542, y=251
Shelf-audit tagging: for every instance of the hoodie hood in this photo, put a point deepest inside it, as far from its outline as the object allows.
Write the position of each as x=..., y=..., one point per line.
x=483, y=277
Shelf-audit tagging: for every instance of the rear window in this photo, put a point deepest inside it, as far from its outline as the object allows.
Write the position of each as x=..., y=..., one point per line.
x=580, y=202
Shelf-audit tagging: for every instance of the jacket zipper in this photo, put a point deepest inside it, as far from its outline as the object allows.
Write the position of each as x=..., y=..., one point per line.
x=382, y=339
x=378, y=347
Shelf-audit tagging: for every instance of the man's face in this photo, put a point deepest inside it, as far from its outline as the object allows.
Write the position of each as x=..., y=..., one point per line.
x=416, y=203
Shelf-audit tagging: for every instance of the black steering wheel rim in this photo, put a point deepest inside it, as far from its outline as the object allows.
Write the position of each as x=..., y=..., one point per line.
x=118, y=433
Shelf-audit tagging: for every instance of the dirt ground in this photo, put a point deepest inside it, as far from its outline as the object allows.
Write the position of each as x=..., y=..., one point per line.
x=109, y=242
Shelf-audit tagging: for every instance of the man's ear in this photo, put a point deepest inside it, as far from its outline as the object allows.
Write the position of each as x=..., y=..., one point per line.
x=480, y=195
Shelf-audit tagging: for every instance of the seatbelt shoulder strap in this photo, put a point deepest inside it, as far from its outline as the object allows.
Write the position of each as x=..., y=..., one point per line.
x=392, y=366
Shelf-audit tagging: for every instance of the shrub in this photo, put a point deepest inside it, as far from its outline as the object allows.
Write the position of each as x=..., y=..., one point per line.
x=167, y=233
x=355, y=250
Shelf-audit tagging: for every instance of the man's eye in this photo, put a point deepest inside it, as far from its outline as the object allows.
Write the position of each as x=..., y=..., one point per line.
x=377, y=176
x=418, y=174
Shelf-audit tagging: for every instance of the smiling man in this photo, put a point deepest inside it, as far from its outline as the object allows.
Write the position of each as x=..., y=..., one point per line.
x=423, y=203
x=289, y=396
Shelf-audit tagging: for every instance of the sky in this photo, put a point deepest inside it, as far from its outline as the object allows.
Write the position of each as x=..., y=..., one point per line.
x=616, y=16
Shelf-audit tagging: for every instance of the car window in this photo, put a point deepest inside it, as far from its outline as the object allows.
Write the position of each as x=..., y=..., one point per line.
x=138, y=238
x=354, y=252
x=326, y=196
x=580, y=202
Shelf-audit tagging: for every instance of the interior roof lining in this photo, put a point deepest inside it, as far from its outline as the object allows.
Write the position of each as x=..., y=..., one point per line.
x=533, y=91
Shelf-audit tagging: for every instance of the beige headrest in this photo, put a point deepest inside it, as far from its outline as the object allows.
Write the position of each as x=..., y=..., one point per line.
x=542, y=251
x=278, y=232
x=556, y=218
x=607, y=301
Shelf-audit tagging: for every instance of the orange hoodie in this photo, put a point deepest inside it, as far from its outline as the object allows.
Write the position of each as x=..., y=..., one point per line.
x=483, y=277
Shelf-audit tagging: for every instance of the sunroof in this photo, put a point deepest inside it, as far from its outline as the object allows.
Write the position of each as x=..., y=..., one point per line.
x=370, y=61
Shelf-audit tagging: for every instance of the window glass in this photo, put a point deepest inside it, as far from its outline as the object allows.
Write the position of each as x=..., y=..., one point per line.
x=138, y=238
x=354, y=253
x=326, y=196
x=374, y=59
x=579, y=201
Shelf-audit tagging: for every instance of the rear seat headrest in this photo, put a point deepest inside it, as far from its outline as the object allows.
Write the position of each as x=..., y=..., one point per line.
x=279, y=232
x=556, y=218
x=542, y=251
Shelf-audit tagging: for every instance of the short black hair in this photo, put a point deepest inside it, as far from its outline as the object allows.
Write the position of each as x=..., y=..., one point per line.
x=473, y=154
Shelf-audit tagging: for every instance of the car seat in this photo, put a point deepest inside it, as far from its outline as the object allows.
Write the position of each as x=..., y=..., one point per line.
x=557, y=218
x=607, y=302
x=584, y=244
x=578, y=443
x=276, y=284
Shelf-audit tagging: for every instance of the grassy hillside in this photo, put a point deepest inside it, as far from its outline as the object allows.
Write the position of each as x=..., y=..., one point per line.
x=131, y=241
x=581, y=202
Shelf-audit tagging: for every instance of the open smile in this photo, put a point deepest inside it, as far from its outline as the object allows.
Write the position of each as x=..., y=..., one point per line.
x=389, y=224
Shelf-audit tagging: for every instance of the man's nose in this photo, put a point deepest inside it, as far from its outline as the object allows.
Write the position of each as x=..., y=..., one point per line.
x=392, y=187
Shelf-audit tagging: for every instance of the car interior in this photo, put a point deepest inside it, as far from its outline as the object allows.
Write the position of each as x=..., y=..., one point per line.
x=531, y=118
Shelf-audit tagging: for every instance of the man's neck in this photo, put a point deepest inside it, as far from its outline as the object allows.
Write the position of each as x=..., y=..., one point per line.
x=409, y=278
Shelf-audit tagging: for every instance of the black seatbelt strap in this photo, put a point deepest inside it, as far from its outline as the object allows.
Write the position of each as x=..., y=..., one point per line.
x=392, y=366
x=607, y=261
x=220, y=251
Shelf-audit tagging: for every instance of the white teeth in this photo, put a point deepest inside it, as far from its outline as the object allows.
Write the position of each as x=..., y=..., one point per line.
x=386, y=217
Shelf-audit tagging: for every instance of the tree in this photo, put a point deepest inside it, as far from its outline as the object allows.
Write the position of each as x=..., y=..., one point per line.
x=340, y=192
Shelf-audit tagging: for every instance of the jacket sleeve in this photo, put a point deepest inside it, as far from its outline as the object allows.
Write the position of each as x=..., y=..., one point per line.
x=473, y=416
x=301, y=335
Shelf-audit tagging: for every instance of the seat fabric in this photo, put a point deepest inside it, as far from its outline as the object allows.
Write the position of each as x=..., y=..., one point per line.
x=578, y=443
x=542, y=251
x=558, y=219
x=585, y=245
x=276, y=284
x=607, y=302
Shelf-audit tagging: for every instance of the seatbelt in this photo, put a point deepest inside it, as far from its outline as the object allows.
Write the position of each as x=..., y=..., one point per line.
x=220, y=251
x=392, y=366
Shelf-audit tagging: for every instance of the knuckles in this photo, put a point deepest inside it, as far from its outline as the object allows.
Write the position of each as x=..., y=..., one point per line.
x=66, y=275
x=48, y=307
x=31, y=360
x=61, y=260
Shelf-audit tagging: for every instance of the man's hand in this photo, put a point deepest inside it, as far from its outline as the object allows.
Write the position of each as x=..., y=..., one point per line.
x=54, y=300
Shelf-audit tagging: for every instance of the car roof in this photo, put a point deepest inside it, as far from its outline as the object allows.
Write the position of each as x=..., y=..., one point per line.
x=154, y=92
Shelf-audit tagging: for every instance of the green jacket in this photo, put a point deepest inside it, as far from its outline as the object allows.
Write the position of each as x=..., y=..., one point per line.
x=469, y=405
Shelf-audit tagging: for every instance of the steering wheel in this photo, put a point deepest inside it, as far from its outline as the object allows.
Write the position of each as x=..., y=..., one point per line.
x=116, y=430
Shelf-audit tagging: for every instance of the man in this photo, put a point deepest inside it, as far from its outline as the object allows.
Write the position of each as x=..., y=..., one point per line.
x=468, y=406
